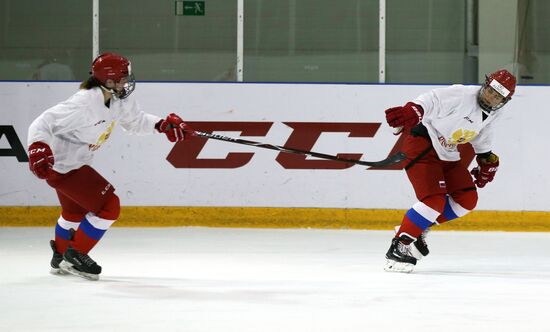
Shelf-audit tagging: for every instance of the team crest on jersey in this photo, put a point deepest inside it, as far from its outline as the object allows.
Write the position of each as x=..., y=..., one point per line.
x=445, y=145
x=462, y=136
x=105, y=136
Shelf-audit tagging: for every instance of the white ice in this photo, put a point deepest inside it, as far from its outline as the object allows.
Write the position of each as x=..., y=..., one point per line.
x=264, y=280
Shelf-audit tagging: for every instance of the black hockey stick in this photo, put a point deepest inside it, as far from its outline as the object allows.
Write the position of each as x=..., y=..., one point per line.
x=391, y=160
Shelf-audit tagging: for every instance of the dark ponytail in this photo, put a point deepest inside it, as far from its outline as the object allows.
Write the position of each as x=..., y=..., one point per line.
x=90, y=83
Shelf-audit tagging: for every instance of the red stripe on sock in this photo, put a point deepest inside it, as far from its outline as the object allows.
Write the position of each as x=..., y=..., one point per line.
x=441, y=219
x=61, y=244
x=82, y=242
x=407, y=226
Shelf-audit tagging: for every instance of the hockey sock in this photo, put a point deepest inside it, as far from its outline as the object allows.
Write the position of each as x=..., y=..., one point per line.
x=94, y=226
x=459, y=205
x=63, y=233
x=422, y=215
x=91, y=230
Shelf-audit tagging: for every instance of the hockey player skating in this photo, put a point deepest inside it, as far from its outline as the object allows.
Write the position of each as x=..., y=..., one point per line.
x=62, y=142
x=434, y=124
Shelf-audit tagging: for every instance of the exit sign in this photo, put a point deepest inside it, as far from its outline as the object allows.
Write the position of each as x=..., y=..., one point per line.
x=190, y=8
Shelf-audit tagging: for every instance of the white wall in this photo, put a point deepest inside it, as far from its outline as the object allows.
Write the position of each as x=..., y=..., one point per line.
x=138, y=168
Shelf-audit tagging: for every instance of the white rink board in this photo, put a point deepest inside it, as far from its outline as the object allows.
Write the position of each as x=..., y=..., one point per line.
x=142, y=176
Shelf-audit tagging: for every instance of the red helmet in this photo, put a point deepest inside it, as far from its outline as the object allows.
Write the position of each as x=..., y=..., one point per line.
x=506, y=82
x=503, y=82
x=110, y=66
x=115, y=67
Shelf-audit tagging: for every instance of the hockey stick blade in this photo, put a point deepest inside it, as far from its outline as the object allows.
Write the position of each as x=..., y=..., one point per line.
x=391, y=160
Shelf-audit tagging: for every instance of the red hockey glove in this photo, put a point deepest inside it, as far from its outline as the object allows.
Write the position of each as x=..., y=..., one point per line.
x=485, y=172
x=406, y=116
x=41, y=160
x=175, y=129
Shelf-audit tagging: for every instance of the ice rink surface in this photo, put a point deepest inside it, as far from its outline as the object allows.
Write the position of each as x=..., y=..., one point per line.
x=264, y=280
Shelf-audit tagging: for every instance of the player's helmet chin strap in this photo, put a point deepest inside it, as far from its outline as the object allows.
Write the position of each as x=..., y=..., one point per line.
x=487, y=109
x=126, y=91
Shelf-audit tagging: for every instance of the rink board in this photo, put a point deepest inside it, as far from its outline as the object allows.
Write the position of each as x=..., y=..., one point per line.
x=218, y=183
x=380, y=219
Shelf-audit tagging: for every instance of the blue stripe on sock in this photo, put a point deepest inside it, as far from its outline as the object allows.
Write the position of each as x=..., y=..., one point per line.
x=418, y=219
x=91, y=231
x=448, y=212
x=62, y=232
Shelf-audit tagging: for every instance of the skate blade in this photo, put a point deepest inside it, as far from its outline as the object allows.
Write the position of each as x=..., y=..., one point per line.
x=68, y=268
x=57, y=272
x=393, y=266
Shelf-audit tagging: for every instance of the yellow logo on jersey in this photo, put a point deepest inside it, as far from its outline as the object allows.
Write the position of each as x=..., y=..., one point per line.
x=103, y=137
x=462, y=136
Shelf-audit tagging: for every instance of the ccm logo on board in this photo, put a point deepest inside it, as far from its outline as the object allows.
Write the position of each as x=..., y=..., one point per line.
x=304, y=135
x=15, y=148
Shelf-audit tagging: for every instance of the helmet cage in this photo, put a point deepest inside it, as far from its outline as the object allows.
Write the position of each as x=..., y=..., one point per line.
x=491, y=85
x=491, y=82
x=110, y=66
x=128, y=88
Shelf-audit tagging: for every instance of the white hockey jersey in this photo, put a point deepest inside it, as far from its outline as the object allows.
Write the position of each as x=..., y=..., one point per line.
x=453, y=116
x=76, y=128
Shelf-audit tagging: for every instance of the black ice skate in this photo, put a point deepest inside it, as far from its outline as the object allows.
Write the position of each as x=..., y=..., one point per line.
x=57, y=256
x=56, y=260
x=399, y=257
x=80, y=264
x=419, y=248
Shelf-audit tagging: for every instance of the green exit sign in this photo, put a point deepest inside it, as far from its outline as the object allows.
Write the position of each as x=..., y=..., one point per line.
x=190, y=8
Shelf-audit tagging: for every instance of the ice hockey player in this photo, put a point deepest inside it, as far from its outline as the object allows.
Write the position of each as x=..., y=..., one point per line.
x=62, y=142
x=434, y=124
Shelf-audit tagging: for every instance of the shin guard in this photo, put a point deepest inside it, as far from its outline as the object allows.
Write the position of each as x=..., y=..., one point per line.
x=93, y=227
x=458, y=205
x=63, y=233
x=421, y=216
x=91, y=230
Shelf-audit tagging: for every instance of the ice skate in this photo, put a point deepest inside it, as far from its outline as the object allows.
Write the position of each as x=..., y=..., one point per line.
x=419, y=248
x=56, y=260
x=399, y=257
x=80, y=264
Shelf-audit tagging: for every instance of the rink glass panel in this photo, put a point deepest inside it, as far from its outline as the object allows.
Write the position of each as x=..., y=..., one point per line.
x=311, y=41
x=427, y=41
x=533, y=42
x=45, y=40
x=164, y=46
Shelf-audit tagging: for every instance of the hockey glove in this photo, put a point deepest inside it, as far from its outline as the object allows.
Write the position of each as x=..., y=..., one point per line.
x=175, y=129
x=406, y=116
x=41, y=160
x=485, y=172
